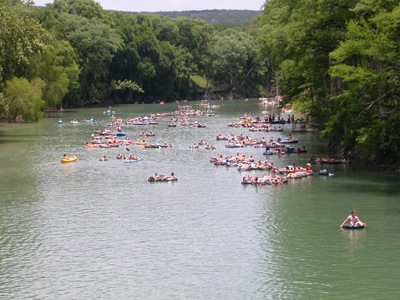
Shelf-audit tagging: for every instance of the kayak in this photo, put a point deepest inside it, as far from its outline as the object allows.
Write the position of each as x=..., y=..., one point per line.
x=133, y=160
x=68, y=159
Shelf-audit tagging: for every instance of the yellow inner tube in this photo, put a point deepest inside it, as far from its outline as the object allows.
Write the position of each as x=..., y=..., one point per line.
x=68, y=159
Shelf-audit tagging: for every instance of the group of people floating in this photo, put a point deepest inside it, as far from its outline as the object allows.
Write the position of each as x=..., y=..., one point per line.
x=163, y=177
x=278, y=176
x=202, y=143
x=269, y=179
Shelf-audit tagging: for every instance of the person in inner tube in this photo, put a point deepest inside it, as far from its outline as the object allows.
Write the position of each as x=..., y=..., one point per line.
x=353, y=220
x=155, y=177
x=170, y=177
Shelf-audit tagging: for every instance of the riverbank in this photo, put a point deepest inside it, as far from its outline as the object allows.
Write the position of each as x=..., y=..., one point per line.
x=372, y=162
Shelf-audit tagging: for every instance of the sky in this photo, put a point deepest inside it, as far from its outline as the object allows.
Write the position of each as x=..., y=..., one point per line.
x=172, y=5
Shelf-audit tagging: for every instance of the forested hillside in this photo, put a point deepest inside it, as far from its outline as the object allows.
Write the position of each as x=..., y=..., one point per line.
x=73, y=53
x=216, y=16
x=336, y=61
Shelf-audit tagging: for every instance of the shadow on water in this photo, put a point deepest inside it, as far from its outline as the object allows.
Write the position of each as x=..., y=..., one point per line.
x=378, y=188
x=6, y=137
x=59, y=115
x=358, y=179
x=18, y=138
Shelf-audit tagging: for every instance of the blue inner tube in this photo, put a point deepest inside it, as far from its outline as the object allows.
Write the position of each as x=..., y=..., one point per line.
x=133, y=160
x=119, y=133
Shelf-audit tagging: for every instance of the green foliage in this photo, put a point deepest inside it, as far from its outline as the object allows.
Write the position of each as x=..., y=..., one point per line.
x=95, y=43
x=216, y=16
x=261, y=91
x=160, y=53
x=20, y=37
x=85, y=8
x=236, y=57
x=56, y=66
x=126, y=84
x=92, y=56
x=199, y=80
x=24, y=98
x=4, y=112
x=221, y=27
x=339, y=63
x=368, y=67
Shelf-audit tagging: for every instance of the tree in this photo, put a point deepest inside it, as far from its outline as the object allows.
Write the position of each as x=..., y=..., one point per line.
x=365, y=115
x=339, y=63
x=20, y=37
x=296, y=38
x=159, y=67
x=24, y=98
x=236, y=56
x=85, y=25
x=57, y=67
x=96, y=44
x=88, y=9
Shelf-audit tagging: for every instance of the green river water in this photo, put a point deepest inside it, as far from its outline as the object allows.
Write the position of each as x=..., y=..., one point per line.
x=100, y=230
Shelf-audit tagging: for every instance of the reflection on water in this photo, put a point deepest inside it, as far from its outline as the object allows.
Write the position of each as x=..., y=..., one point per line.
x=90, y=229
x=355, y=239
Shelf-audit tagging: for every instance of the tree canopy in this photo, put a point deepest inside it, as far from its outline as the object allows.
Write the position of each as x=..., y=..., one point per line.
x=339, y=63
x=86, y=55
x=335, y=60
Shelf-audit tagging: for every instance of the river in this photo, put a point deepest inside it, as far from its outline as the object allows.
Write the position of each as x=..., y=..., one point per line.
x=100, y=230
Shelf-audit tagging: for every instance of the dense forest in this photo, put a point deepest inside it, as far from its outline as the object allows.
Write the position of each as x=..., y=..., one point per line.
x=336, y=61
x=73, y=53
x=215, y=16
x=339, y=62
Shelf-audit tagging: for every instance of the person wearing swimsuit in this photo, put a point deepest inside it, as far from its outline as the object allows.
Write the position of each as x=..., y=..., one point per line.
x=353, y=220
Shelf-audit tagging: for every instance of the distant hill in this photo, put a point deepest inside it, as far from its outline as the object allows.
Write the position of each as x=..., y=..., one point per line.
x=216, y=16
